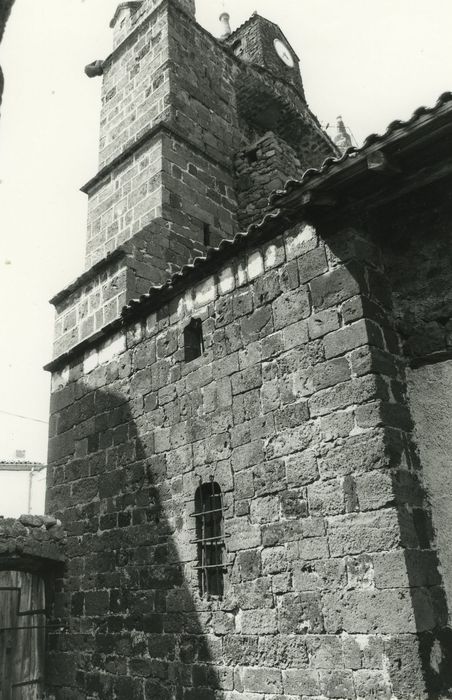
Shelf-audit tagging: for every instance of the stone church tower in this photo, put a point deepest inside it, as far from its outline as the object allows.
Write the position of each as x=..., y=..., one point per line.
x=231, y=447
x=195, y=135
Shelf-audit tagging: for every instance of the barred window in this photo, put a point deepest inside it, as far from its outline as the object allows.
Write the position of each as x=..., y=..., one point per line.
x=210, y=539
x=193, y=340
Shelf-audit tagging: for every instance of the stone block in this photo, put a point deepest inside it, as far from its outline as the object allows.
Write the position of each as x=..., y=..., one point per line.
x=301, y=682
x=291, y=307
x=293, y=505
x=249, y=564
x=357, y=533
x=366, y=611
x=312, y=264
x=347, y=394
x=404, y=568
x=258, y=622
x=247, y=455
x=261, y=680
x=295, y=335
x=267, y=288
x=301, y=468
x=257, y=325
x=300, y=240
x=359, y=454
x=264, y=509
x=405, y=666
x=325, y=651
x=246, y=380
x=323, y=322
x=300, y=613
x=274, y=254
x=326, y=498
x=344, y=340
x=288, y=276
x=240, y=650
x=326, y=374
x=375, y=490
x=337, y=684
x=292, y=416
x=283, y=651
x=370, y=684
x=334, y=287
x=243, y=535
x=274, y=560
x=269, y=477
x=290, y=440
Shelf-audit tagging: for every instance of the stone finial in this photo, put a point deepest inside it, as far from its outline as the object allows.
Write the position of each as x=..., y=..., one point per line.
x=225, y=25
x=94, y=69
x=342, y=139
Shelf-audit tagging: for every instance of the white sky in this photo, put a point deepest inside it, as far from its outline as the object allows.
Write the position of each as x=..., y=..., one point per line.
x=370, y=60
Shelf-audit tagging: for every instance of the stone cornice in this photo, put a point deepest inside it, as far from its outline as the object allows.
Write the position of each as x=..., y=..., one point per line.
x=88, y=275
x=128, y=153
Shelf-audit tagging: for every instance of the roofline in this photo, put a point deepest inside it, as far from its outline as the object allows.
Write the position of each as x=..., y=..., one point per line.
x=291, y=206
x=347, y=166
x=22, y=466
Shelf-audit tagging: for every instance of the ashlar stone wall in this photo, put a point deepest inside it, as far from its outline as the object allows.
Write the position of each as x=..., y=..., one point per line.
x=295, y=408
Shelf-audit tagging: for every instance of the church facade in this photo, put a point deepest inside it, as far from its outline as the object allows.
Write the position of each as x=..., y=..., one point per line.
x=250, y=439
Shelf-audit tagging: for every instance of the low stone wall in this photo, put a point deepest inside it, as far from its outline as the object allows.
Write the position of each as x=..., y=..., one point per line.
x=29, y=539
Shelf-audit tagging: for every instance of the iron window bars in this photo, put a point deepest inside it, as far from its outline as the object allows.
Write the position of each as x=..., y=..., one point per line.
x=209, y=515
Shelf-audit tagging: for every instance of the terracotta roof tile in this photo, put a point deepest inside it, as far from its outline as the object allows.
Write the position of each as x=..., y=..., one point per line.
x=277, y=197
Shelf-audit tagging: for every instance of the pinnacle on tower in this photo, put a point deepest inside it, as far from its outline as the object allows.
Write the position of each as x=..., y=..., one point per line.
x=225, y=25
x=343, y=140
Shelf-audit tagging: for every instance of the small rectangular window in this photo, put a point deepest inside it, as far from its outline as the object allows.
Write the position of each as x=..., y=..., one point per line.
x=252, y=156
x=206, y=231
x=193, y=340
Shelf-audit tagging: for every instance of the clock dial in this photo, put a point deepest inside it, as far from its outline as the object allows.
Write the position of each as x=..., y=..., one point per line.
x=284, y=53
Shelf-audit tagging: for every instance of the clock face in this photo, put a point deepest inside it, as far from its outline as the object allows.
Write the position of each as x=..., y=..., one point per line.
x=284, y=53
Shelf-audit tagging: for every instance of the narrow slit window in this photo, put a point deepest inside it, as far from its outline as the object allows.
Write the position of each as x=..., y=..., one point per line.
x=193, y=340
x=210, y=539
x=237, y=47
x=206, y=231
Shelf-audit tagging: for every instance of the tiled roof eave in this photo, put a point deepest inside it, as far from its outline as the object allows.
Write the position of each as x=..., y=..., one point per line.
x=353, y=161
x=344, y=169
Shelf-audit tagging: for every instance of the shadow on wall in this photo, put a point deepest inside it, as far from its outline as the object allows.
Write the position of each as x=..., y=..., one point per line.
x=131, y=626
x=412, y=569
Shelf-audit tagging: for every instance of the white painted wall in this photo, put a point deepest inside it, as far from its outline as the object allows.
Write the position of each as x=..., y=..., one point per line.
x=15, y=489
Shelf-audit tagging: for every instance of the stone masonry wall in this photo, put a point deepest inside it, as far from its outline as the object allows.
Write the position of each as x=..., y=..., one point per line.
x=30, y=538
x=419, y=262
x=296, y=409
x=135, y=87
x=166, y=183
x=260, y=170
x=254, y=42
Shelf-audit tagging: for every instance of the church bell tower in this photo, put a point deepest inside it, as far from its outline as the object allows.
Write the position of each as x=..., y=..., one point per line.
x=195, y=134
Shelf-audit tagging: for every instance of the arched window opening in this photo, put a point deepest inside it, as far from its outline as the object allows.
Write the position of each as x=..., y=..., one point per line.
x=210, y=539
x=193, y=340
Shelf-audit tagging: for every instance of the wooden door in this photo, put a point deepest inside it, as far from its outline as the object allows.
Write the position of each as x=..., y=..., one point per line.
x=22, y=635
